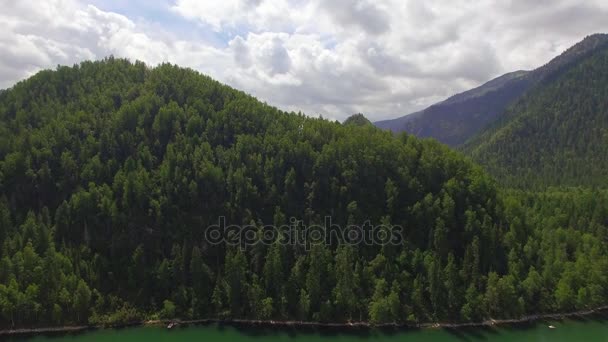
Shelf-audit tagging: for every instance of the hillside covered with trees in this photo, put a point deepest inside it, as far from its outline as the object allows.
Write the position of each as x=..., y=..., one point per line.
x=357, y=120
x=111, y=171
x=555, y=135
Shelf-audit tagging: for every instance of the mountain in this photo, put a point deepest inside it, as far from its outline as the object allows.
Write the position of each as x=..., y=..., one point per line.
x=357, y=120
x=459, y=117
x=464, y=115
x=557, y=134
x=500, y=82
x=112, y=175
x=395, y=125
x=130, y=193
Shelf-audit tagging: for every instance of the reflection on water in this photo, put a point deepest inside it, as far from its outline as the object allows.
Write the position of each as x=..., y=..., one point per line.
x=588, y=329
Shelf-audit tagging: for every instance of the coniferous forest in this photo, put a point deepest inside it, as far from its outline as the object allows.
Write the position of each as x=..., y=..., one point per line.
x=557, y=134
x=111, y=171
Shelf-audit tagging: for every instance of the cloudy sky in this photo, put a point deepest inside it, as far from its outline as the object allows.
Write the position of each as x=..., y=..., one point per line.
x=385, y=58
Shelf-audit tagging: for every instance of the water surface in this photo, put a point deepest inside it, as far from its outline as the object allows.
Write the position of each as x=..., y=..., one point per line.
x=587, y=330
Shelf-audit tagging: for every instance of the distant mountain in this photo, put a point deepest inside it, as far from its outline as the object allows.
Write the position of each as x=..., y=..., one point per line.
x=557, y=134
x=464, y=115
x=486, y=88
x=398, y=124
x=459, y=117
x=357, y=120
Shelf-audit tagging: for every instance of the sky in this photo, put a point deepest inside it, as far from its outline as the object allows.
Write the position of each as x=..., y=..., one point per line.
x=383, y=58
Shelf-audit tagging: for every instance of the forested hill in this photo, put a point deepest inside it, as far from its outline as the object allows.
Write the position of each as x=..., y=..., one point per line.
x=357, y=120
x=465, y=115
x=555, y=135
x=112, y=172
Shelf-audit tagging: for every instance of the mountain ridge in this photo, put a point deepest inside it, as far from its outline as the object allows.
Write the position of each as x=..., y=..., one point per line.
x=462, y=116
x=556, y=134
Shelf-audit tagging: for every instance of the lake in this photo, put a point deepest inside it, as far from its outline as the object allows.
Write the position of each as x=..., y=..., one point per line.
x=587, y=330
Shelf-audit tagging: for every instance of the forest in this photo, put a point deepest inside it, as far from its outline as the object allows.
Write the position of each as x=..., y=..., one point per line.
x=111, y=171
x=556, y=135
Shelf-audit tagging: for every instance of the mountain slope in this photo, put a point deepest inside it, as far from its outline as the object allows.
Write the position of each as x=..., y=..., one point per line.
x=555, y=135
x=464, y=115
x=459, y=117
x=112, y=174
x=397, y=124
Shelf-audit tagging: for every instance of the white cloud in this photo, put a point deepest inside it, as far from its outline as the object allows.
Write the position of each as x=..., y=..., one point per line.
x=383, y=58
x=230, y=15
x=66, y=32
x=368, y=16
x=240, y=51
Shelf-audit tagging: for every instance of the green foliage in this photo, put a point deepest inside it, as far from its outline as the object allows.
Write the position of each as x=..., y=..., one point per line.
x=168, y=310
x=357, y=120
x=111, y=172
x=556, y=135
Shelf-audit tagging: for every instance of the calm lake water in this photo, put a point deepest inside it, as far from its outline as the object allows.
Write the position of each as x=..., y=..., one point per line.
x=587, y=330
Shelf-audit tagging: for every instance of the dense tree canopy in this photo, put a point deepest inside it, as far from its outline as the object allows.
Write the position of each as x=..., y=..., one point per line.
x=357, y=120
x=555, y=135
x=110, y=173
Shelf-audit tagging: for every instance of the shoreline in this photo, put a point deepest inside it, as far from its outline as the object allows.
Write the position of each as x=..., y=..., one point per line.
x=307, y=324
